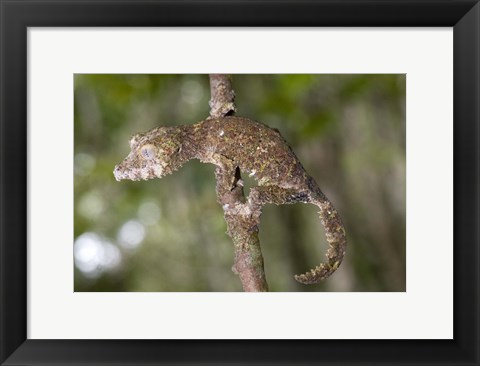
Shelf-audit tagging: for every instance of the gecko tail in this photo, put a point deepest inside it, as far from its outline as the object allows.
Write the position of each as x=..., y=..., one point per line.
x=336, y=238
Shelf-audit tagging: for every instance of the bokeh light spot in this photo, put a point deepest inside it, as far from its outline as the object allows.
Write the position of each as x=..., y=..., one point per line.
x=131, y=234
x=94, y=254
x=149, y=213
x=112, y=256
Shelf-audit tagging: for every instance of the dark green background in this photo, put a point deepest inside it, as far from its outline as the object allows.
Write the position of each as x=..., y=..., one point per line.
x=169, y=234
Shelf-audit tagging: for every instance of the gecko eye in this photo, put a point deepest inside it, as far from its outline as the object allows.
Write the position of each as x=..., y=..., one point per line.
x=148, y=152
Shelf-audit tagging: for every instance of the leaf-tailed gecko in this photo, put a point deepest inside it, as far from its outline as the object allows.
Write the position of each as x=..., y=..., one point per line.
x=254, y=148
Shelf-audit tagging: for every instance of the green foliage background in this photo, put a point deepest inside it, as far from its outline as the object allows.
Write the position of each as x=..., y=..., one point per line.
x=169, y=234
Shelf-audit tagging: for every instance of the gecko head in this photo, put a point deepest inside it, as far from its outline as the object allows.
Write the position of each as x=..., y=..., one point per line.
x=153, y=154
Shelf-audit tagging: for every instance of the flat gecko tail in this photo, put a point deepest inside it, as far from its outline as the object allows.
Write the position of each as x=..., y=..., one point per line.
x=336, y=238
x=317, y=274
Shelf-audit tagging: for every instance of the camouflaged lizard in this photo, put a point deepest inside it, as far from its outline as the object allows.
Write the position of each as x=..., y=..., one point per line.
x=254, y=148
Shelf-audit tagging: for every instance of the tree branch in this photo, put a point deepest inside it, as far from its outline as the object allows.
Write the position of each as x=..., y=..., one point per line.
x=241, y=227
x=222, y=96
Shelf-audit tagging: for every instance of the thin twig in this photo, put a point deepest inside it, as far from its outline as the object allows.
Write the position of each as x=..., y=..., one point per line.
x=222, y=96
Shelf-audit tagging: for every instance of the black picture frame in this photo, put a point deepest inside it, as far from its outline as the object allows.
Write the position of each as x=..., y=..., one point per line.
x=17, y=15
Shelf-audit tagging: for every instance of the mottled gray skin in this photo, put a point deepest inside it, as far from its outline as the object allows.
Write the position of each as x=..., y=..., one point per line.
x=256, y=149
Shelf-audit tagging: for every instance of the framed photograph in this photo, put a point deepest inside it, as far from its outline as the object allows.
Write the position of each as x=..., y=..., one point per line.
x=155, y=155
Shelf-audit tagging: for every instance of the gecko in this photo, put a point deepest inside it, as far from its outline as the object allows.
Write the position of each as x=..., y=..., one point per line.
x=234, y=142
